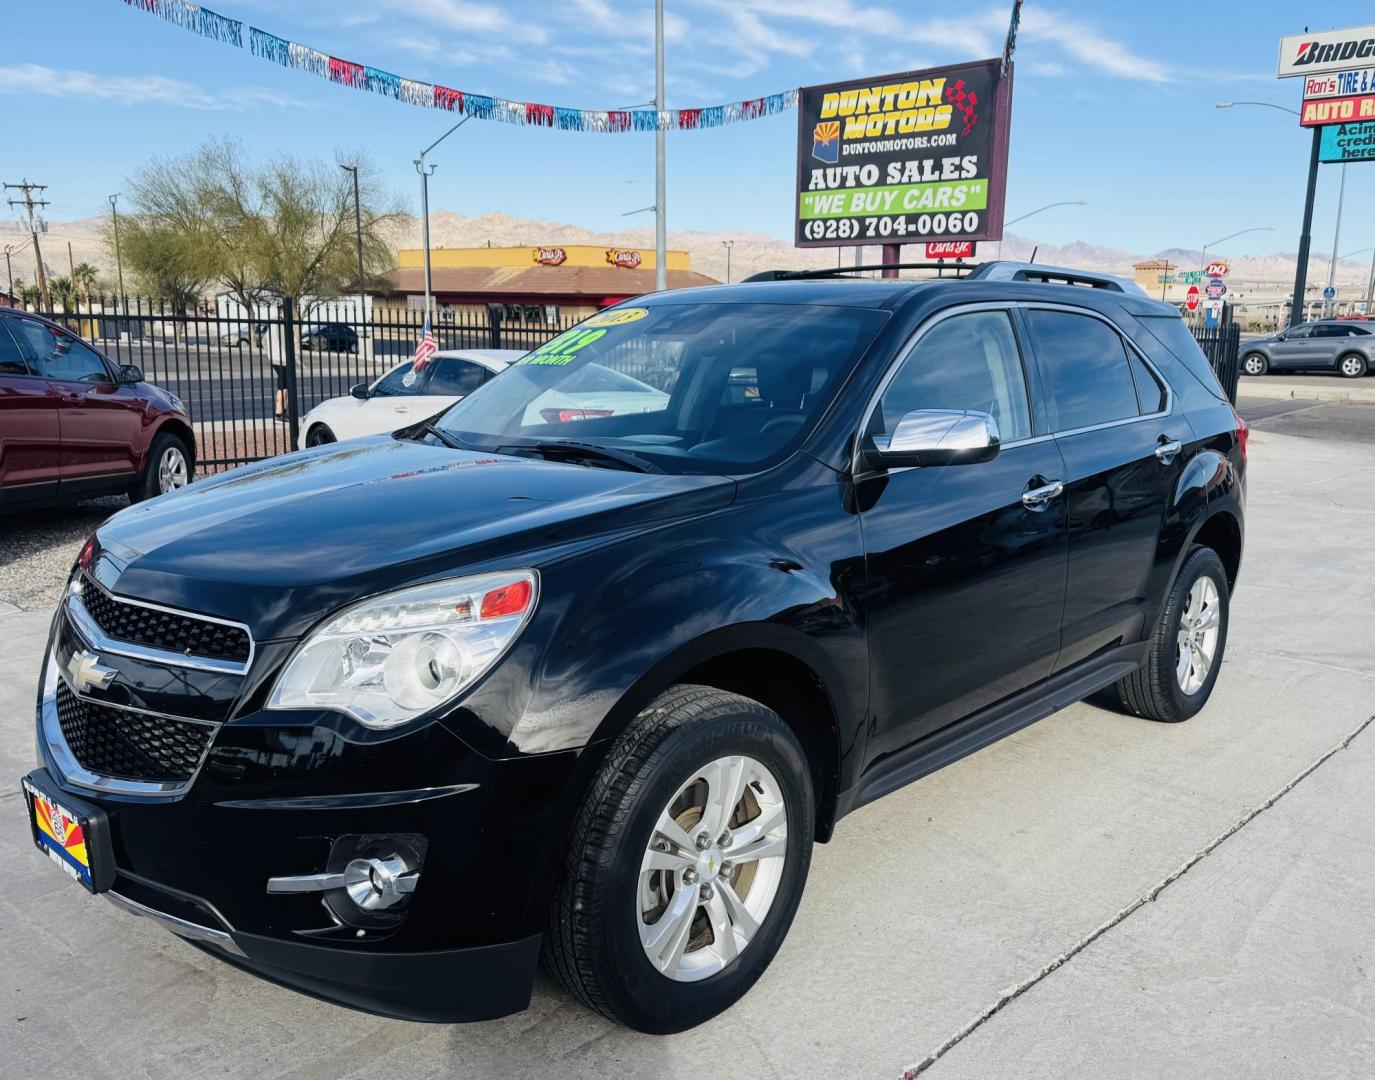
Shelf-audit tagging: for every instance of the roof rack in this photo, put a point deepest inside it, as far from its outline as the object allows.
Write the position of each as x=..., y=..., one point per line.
x=999, y=270
x=845, y=271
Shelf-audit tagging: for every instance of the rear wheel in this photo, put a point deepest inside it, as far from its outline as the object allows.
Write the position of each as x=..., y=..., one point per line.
x=1186, y=646
x=1352, y=365
x=1255, y=364
x=687, y=862
x=169, y=466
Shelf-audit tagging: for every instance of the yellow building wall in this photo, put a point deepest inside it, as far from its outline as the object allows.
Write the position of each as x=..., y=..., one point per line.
x=521, y=257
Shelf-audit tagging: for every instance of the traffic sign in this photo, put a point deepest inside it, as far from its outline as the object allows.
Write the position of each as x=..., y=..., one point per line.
x=1192, y=300
x=1216, y=289
x=1329, y=293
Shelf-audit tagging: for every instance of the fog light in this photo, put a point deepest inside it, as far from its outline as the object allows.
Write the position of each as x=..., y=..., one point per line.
x=376, y=884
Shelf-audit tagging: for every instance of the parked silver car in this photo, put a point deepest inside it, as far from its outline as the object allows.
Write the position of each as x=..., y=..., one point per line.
x=1347, y=347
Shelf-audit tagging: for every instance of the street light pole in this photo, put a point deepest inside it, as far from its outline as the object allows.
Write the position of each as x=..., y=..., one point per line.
x=1336, y=237
x=1033, y=213
x=119, y=262
x=728, y=244
x=660, y=185
x=425, y=173
x=358, y=231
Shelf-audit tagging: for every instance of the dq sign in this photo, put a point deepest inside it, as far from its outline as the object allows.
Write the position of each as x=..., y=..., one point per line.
x=1218, y=269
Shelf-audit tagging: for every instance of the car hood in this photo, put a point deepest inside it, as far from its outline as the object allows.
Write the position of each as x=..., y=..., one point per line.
x=279, y=544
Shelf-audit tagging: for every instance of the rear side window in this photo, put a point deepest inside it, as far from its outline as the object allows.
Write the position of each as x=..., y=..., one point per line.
x=1171, y=332
x=11, y=359
x=1150, y=395
x=1086, y=365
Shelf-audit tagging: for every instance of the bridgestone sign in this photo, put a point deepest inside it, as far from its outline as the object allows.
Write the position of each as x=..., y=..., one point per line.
x=1326, y=50
x=918, y=156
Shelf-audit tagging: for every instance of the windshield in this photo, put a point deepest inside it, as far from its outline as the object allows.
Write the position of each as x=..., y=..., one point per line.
x=690, y=387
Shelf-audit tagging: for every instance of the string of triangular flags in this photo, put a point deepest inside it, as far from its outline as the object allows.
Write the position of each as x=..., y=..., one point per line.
x=211, y=24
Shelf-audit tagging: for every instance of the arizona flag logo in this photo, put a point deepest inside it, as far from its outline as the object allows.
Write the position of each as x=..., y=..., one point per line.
x=826, y=141
x=61, y=828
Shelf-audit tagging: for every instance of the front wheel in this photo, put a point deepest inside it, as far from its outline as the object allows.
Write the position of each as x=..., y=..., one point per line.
x=319, y=435
x=168, y=467
x=1186, y=647
x=1255, y=364
x=1352, y=365
x=687, y=862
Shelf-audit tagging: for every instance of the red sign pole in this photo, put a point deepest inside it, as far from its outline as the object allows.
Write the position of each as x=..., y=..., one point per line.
x=892, y=253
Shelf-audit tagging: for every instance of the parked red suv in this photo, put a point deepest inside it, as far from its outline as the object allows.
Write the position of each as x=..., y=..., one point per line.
x=73, y=424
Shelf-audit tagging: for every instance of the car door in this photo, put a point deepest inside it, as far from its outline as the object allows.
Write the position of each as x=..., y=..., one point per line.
x=1290, y=349
x=101, y=421
x=1328, y=343
x=30, y=438
x=1122, y=439
x=965, y=564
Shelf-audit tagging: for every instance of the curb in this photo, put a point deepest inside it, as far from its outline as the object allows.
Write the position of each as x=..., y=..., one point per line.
x=1262, y=386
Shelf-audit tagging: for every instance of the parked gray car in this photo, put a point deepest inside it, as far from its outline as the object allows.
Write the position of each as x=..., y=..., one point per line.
x=1347, y=347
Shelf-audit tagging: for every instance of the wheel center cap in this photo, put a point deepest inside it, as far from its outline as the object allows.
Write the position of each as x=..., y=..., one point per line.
x=709, y=864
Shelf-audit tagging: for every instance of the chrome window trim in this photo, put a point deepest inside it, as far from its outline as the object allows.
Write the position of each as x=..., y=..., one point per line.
x=74, y=773
x=856, y=465
x=97, y=638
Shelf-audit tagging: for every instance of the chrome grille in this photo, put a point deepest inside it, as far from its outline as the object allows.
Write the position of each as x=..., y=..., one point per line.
x=129, y=745
x=162, y=629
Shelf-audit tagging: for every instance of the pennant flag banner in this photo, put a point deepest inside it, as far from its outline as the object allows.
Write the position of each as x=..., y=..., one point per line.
x=292, y=54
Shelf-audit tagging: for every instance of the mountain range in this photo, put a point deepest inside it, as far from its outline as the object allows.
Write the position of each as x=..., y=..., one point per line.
x=750, y=251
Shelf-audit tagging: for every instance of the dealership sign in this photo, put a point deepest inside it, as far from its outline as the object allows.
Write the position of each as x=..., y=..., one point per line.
x=918, y=156
x=1326, y=50
x=1347, y=142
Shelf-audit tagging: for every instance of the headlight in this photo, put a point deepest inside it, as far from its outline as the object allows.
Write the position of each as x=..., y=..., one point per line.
x=397, y=656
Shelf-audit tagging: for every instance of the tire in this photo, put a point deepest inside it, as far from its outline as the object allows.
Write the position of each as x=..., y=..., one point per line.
x=1158, y=690
x=594, y=944
x=161, y=472
x=1254, y=364
x=320, y=435
x=1352, y=365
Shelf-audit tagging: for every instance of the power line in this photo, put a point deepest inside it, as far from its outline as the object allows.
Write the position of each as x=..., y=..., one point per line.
x=29, y=202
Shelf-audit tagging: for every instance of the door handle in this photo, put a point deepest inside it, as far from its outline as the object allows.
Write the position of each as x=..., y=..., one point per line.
x=403, y=408
x=1167, y=450
x=1038, y=498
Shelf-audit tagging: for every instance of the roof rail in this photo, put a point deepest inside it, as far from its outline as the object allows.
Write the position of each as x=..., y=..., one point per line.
x=1053, y=275
x=958, y=270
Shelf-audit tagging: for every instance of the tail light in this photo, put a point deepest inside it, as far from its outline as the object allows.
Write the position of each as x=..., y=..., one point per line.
x=1242, y=432
x=562, y=416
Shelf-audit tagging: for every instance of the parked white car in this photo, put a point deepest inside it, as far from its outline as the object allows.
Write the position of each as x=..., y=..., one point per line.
x=404, y=396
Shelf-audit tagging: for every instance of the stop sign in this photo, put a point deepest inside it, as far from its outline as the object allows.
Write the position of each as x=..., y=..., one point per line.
x=1192, y=301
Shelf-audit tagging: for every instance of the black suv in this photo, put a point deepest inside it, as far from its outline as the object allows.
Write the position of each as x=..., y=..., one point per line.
x=331, y=337
x=388, y=720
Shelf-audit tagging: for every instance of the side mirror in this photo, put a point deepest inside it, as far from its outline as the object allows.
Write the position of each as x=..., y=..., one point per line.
x=360, y=391
x=129, y=375
x=937, y=437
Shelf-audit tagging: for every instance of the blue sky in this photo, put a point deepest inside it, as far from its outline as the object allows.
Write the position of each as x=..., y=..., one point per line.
x=1114, y=105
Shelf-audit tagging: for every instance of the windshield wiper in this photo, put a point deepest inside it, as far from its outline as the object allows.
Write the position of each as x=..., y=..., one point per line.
x=429, y=429
x=567, y=450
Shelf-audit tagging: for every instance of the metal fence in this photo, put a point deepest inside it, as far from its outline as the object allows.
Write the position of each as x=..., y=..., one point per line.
x=1221, y=344
x=236, y=372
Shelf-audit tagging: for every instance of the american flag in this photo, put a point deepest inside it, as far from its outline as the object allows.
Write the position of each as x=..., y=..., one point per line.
x=425, y=348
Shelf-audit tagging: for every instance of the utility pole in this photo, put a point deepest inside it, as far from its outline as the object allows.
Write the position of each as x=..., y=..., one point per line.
x=358, y=230
x=28, y=202
x=10, y=271
x=1369, y=292
x=660, y=195
x=1336, y=237
x=728, y=244
x=119, y=263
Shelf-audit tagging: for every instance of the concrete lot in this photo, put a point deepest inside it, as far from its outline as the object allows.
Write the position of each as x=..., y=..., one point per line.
x=1016, y=914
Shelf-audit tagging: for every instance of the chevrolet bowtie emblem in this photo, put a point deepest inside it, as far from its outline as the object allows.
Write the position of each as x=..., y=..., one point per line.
x=85, y=671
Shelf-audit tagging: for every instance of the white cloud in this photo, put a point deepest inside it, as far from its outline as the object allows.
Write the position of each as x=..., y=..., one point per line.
x=1085, y=44
x=135, y=89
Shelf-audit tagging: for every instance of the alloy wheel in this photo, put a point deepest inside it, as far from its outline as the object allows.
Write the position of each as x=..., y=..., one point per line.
x=1352, y=366
x=712, y=869
x=1254, y=365
x=1196, y=643
x=173, y=472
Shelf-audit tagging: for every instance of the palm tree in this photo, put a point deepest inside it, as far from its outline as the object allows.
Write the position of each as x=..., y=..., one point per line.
x=83, y=277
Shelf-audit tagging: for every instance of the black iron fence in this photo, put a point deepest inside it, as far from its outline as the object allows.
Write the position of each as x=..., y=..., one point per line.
x=247, y=379
x=1221, y=344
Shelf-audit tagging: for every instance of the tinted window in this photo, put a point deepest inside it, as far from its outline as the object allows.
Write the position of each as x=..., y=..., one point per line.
x=454, y=377
x=1330, y=330
x=11, y=359
x=59, y=356
x=966, y=362
x=1150, y=395
x=1357, y=331
x=1306, y=330
x=1086, y=366
x=1171, y=332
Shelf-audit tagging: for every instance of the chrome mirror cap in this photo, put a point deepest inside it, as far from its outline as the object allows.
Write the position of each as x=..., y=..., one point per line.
x=938, y=437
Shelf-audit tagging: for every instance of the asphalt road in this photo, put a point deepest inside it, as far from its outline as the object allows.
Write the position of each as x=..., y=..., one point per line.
x=1340, y=421
x=1096, y=896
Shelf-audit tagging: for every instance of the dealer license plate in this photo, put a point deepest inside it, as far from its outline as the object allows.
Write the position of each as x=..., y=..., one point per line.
x=62, y=834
